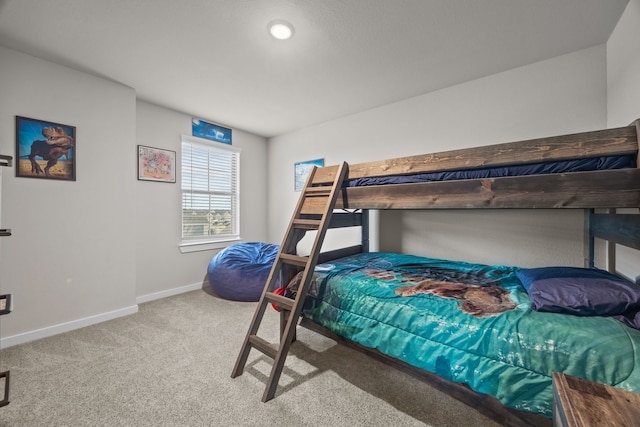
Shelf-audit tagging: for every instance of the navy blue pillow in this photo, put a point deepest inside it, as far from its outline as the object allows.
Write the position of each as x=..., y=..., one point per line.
x=579, y=291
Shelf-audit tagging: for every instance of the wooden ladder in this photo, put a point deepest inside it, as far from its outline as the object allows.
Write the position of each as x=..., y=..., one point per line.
x=317, y=200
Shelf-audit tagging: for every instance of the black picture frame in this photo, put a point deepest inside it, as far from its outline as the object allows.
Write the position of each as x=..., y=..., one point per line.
x=5, y=304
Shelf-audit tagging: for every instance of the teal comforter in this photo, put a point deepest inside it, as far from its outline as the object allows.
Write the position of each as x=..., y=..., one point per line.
x=469, y=323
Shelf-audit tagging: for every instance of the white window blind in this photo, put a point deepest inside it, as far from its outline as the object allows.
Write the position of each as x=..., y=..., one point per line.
x=210, y=190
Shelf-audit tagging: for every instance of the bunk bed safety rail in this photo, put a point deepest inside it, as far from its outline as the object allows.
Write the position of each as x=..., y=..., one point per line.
x=608, y=142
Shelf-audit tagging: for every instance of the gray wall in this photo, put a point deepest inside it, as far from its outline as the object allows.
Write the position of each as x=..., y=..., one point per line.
x=590, y=89
x=90, y=250
x=623, y=96
x=71, y=255
x=561, y=95
x=160, y=267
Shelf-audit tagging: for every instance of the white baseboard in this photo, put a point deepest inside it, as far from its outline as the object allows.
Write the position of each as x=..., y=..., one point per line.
x=92, y=320
x=65, y=327
x=168, y=293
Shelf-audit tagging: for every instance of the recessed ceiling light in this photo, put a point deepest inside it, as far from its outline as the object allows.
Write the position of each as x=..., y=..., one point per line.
x=281, y=30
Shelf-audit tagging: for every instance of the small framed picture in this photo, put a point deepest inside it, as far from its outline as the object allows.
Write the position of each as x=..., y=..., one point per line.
x=202, y=129
x=45, y=149
x=301, y=172
x=5, y=304
x=155, y=164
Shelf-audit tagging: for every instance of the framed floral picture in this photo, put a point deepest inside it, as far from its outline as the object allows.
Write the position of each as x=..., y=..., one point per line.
x=155, y=164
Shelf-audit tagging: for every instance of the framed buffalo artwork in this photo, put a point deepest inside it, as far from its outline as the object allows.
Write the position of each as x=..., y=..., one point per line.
x=45, y=149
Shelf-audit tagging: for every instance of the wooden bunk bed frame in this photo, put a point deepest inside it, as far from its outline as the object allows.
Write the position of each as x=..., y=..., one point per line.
x=599, y=193
x=607, y=190
x=597, y=189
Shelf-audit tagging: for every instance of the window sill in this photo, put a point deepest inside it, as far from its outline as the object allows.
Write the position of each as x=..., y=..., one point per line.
x=190, y=246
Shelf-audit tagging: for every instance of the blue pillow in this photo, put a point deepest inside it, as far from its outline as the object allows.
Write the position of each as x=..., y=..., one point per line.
x=579, y=291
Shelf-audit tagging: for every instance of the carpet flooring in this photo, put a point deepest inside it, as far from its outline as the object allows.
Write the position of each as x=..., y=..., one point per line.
x=170, y=365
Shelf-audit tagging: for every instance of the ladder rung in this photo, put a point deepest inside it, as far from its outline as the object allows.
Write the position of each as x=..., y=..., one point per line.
x=300, y=261
x=318, y=191
x=263, y=345
x=306, y=224
x=280, y=301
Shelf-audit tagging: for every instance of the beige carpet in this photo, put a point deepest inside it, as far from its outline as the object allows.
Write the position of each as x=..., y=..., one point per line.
x=170, y=365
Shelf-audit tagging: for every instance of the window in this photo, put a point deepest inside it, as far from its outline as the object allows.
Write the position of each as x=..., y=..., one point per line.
x=210, y=194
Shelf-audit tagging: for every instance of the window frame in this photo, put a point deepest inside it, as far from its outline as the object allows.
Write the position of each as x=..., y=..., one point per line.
x=203, y=243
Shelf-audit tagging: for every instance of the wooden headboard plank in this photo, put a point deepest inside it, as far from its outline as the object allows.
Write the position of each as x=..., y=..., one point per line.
x=601, y=189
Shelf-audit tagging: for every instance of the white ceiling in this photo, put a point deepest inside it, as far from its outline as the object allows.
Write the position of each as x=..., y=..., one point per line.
x=214, y=59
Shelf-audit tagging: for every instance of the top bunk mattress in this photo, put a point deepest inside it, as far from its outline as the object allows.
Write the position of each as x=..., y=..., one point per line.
x=469, y=323
x=540, y=168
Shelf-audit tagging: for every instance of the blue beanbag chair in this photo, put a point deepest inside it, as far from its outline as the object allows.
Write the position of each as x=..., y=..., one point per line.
x=239, y=272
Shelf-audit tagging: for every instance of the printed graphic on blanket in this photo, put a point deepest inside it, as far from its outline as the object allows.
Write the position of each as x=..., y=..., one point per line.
x=479, y=295
x=476, y=288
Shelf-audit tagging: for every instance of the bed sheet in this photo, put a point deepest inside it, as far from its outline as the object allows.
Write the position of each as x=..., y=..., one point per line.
x=469, y=323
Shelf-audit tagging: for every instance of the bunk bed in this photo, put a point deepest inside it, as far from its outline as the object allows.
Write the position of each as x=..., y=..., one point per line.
x=407, y=311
